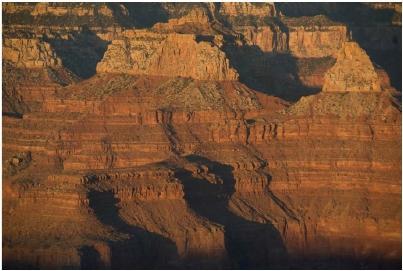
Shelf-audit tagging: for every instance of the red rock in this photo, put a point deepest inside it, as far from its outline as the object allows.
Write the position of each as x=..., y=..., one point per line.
x=163, y=159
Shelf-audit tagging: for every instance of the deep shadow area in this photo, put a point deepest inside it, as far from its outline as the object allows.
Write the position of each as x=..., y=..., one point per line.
x=389, y=60
x=15, y=115
x=143, y=250
x=271, y=73
x=352, y=13
x=17, y=265
x=343, y=263
x=90, y=258
x=145, y=15
x=81, y=52
x=383, y=47
x=250, y=245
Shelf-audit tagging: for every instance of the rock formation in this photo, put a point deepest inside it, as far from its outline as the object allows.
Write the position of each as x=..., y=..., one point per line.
x=166, y=55
x=75, y=10
x=166, y=148
x=248, y=9
x=189, y=18
x=353, y=71
x=30, y=53
x=66, y=15
x=315, y=37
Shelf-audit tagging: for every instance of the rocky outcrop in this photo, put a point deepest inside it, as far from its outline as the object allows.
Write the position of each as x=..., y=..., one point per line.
x=65, y=15
x=31, y=72
x=30, y=53
x=248, y=9
x=76, y=10
x=54, y=9
x=195, y=19
x=316, y=41
x=266, y=38
x=353, y=71
x=301, y=41
x=141, y=52
x=379, y=36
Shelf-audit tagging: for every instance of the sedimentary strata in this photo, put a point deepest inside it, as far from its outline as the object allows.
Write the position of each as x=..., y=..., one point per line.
x=240, y=135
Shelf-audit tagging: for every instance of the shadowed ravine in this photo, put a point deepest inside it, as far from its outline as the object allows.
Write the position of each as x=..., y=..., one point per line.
x=273, y=74
x=249, y=245
x=143, y=250
x=81, y=53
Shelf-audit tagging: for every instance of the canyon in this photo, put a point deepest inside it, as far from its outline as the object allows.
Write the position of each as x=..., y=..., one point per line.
x=201, y=136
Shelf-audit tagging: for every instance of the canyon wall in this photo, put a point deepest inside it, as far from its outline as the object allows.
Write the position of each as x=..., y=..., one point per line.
x=173, y=153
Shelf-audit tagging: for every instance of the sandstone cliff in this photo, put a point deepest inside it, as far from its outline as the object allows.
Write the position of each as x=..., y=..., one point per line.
x=314, y=38
x=77, y=10
x=65, y=14
x=196, y=19
x=248, y=9
x=353, y=71
x=166, y=55
x=30, y=53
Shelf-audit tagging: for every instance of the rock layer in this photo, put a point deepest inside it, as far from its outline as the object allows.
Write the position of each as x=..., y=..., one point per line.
x=162, y=159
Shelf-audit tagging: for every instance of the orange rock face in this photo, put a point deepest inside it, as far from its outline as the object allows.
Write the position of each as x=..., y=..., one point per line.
x=248, y=9
x=29, y=53
x=319, y=42
x=166, y=55
x=174, y=152
x=353, y=71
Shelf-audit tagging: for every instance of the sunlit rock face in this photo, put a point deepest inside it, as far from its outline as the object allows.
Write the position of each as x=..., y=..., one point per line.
x=353, y=71
x=201, y=135
x=166, y=55
x=30, y=53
